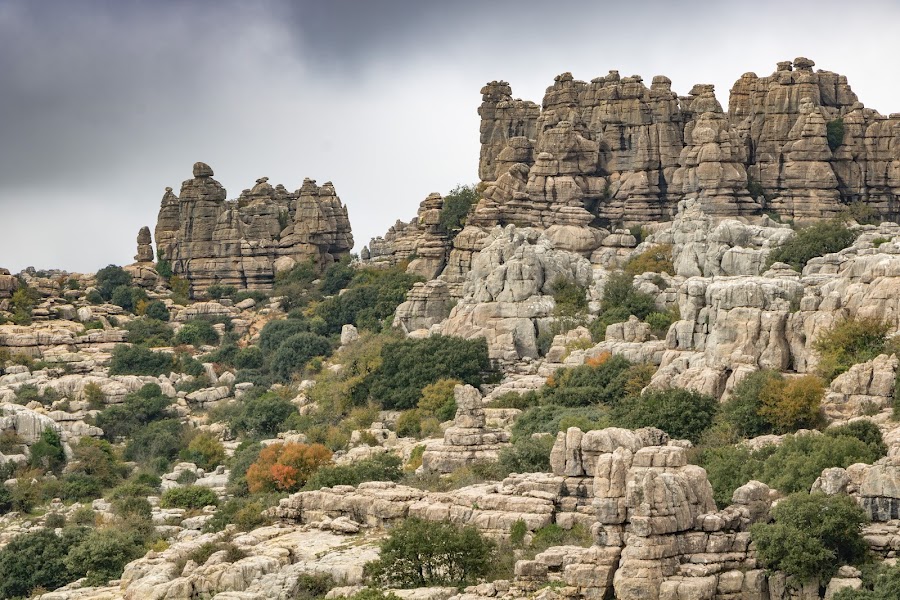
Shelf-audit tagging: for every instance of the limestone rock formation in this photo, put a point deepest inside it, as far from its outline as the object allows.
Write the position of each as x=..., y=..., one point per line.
x=469, y=440
x=628, y=153
x=422, y=242
x=210, y=240
x=144, y=246
x=8, y=284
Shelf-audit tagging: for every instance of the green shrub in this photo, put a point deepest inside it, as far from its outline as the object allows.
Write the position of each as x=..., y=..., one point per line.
x=728, y=468
x=257, y=296
x=274, y=333
x=741, y=411
x=834, y=132
x=865, y=431
x=103, y=553
x=245, y=455
x=297, y=350
x=246, y=514
x=217, y=292
x=849, y=342
x=818, y=239
x=683, y=414
x=157, y=444
x=163, y=267
x=205, y=450
x=438, y=399
x=371, y=298
x=657, y=259
x=262, y=416
x=588, y=384
x=880, y=583
x=94, y=297
x=189, y=496
x=6, y=499
x=109, y=278
x=37, y=560
x=553, y=419
x=569, y=296
x=421, y=553
x=410, y=365
x=47, y=453
x=456, y=208
x=660, y=322
x=811, y=536
x=337, y=276
x=527, y=455
x=137, y=410
x=554, y=535
x=792, y=404
x=250, y=357
x=620, y=301
x=198, y=332
x=149, y=332
x=138, y=360
x=128, y=298
x=800, y=459
x=156, y=309
x=381, y=467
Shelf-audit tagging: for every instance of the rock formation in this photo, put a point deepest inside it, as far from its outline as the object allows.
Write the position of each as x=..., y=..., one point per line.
x=628, y=153
x=144, y=246
x=243, y=242
x=468, y=440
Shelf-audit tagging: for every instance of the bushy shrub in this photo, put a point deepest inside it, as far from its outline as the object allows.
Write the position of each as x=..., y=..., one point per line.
x=570, y=297
x=286, y=467
x=865, y=431
x=97, y=462
x=657, y=259
x=156, y=309
x=337, y=276
x=849, y=342
x=600, y=383
x=792, y=404
x=456, y=208
x=800, y=459
x=250, y=357
x=137, y=410
x=37, y=560
x=728, y=468
x=295, y=352
x=109, y=278
x=372, y=297
x=217, y=292
x=189, y=496
x=244, y=513
x=198, y=332
x=818, y=239
x=620, y=301
x=103, y=553
x=812, y=535
x=553, y=419
x=274, y=333
x=881, y=583
x=381, y=467
x=157, y=444
x=421, y=553
x=205, y=450
x=128, y=298
x=437, y=399
x=741, y=411
x=262, y=416
x=245, y=455
x=138, y=360
x=47, y=453
x=683, y=414
x=527, y=455
x=834, y=133
x=408, y=366
x=149, y=332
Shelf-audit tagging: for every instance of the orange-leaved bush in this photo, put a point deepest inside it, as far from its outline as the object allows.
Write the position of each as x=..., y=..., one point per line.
x=792, y=404
x=286, y=467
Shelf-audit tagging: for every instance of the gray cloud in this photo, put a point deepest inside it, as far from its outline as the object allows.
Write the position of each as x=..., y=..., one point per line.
x=104, y=103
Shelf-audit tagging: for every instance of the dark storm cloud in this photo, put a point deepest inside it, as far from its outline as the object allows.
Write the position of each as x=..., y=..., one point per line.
x=104, y=103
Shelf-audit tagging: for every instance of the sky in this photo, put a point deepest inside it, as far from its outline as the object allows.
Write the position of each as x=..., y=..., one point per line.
x=104, y=103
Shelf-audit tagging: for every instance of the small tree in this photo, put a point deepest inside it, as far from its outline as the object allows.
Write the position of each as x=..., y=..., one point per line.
x=189, y=496
x=680, y=413
x=47, y=453
x=205, y=450
x=812, y=535
x=420, y=553
x=816, y=240
x=849, y=342
x=198, y=332
x=109, y=278
x=456, y=208
x=286, y=467
x=792, y=404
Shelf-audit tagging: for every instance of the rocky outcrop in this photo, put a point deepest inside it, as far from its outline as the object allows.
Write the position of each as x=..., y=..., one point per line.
x=8, y=284
x=144, y=246
x=243, y=242
x=469, y=440
x=866, y=388
x=422, y=242
x=628, y=153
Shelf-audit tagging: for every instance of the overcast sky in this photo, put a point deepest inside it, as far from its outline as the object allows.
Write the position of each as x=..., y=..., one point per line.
x=104, y=103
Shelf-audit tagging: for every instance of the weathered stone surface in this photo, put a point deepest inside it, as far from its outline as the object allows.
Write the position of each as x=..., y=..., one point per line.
x=210, y=240
x=144, y=246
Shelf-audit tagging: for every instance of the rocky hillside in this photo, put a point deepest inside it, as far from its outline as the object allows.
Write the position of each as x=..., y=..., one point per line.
x=652, y=355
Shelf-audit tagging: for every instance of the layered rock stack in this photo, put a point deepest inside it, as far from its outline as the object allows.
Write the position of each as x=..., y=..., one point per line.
x=242, y=242
x=144, y=246
x=422, y=242
x=469, y=440
x=654, y=148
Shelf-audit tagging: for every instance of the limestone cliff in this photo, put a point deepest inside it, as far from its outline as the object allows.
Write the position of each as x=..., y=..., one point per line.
x=243, y=242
